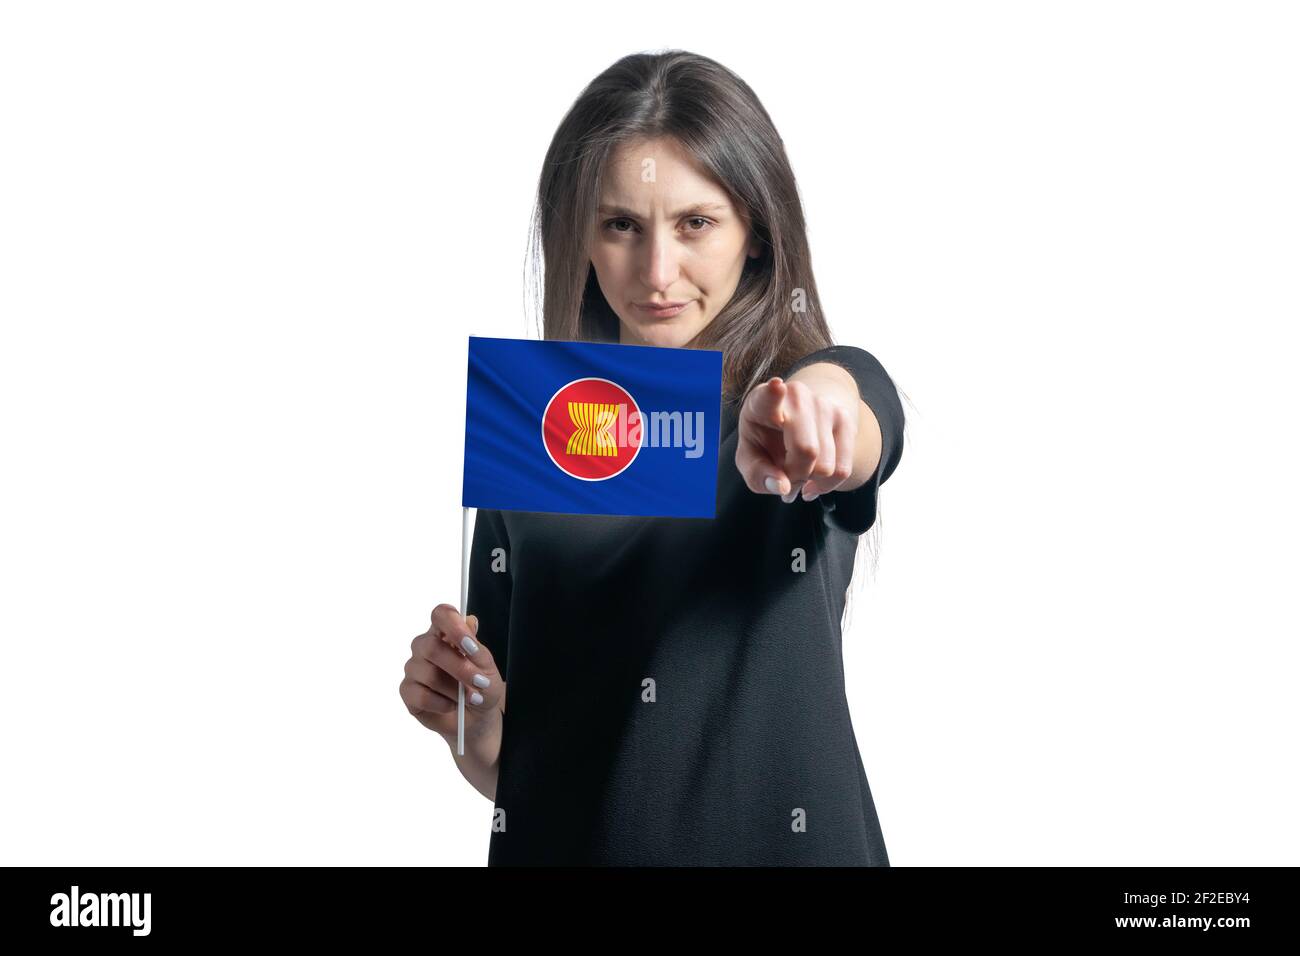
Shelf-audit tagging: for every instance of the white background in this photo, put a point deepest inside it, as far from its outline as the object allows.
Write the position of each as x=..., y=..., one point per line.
x=241, y=248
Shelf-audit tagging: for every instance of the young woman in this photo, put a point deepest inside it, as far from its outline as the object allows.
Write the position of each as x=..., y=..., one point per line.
x=676, y=686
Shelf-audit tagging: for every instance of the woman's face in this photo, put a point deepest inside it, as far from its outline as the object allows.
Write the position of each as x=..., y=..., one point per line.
x=666, y=233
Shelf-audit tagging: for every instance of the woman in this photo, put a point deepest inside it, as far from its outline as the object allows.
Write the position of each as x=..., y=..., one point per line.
x=676, y=686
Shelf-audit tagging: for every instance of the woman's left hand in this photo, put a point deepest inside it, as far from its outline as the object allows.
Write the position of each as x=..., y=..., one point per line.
x=795, y=437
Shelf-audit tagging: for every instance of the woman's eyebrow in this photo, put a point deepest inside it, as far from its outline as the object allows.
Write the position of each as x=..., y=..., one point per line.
x=698, y=207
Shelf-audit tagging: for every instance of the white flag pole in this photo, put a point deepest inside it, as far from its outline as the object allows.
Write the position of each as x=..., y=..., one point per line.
x=464, y=598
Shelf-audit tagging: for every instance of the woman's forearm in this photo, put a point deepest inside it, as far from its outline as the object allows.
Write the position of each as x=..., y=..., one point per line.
x=478, y=764
x=827, y=378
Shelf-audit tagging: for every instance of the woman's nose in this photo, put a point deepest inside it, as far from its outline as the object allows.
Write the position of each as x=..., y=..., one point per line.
x=661, y=263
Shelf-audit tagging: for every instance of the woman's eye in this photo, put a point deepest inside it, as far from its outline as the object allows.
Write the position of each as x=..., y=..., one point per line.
x=612, y=224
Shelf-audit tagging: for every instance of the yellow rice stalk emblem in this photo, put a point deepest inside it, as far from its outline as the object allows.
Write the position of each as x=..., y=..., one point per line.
x=592, y=422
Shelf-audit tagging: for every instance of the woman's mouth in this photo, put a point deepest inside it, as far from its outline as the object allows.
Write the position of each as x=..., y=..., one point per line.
x=661, y=310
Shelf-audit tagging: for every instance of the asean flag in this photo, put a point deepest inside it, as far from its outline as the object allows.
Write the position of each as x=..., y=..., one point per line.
x=592, y=428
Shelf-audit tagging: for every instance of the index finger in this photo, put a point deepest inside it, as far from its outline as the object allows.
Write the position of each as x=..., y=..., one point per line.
x=802, y=442
x=452, y=628
x=765, y=404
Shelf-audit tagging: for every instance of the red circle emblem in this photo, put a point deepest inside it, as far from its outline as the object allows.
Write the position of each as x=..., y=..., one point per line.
x=590, y=430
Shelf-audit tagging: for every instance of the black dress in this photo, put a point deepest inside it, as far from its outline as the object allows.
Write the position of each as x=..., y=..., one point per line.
x=675, y=685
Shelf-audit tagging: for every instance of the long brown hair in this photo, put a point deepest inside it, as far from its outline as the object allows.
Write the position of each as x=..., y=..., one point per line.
x=774, y=318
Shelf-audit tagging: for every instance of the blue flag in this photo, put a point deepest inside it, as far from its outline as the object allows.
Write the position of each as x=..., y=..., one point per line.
x=592, y=428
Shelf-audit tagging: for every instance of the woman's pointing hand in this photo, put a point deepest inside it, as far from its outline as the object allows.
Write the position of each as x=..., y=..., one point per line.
x=794, y=437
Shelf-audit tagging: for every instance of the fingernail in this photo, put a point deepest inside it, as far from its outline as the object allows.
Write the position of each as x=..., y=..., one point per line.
x=772, y=485
x=476, y=698
x=811, y=497
x=468, y=644
x=481, y=681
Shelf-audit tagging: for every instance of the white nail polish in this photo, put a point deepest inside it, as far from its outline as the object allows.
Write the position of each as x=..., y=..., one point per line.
x=772, y=485
x=468, y=644
x=476, y=698
x=481, y=681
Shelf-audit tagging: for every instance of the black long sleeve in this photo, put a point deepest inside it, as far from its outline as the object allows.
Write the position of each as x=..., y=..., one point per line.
x=490, y=590
x=656, y=714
